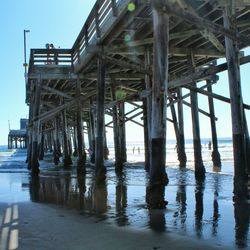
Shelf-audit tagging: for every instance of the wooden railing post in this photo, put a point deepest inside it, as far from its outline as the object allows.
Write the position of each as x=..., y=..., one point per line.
x=86, y=36
x=114, y=8
x=97, y=22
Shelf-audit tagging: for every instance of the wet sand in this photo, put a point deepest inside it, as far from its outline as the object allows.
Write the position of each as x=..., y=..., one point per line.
x=60, y=210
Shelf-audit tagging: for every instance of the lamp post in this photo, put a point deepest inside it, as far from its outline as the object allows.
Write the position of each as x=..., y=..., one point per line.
x=25, y=60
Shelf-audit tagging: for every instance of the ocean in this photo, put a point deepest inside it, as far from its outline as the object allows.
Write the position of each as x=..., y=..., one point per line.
x=135, y=153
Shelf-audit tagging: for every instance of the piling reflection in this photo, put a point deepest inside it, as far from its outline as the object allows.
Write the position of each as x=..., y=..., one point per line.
x=99, y=196
x=34, y=188
x=121, y=200
x=155, y=196
x=199, y=207
x=241, y=215
x=81, y=188
x=216, y=214
x=156, y=204
x=181, y=199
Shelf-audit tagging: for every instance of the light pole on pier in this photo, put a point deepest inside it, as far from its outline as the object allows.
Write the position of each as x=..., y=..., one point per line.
x=25, y=59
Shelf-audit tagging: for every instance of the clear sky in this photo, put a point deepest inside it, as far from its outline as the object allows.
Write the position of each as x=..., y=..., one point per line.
x=59, y=22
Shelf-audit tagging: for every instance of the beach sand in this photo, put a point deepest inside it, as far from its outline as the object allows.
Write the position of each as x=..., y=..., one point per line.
x=60, y=210
x=40, y=227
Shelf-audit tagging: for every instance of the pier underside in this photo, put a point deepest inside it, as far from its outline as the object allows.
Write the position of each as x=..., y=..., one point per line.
x=143, y=53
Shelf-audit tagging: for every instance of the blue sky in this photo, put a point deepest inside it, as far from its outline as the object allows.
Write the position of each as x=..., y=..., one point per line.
x=59, y=22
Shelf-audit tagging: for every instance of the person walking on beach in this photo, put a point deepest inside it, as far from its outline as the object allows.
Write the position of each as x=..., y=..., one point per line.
x=209, y=145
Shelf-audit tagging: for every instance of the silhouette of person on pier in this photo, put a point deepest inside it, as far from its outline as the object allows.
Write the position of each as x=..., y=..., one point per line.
x=49, y=46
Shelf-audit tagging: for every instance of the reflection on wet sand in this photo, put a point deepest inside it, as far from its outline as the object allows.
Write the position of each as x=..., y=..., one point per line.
x=199, y=207
x=181, y=198
x=196, y=209
x=216, y=214
x=242, y=215
x=121, y=200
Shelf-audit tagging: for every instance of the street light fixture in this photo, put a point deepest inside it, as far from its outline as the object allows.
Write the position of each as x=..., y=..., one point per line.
x=25, y=60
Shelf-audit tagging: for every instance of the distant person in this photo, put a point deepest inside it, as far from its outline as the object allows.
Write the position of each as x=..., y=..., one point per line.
x=47, y=46
x=133, y=150
x=51, y=46
x=139, y=151
x=209, y=145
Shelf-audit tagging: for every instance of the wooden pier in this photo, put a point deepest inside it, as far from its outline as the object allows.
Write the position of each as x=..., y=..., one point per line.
x=17, y=138
x=141, y=51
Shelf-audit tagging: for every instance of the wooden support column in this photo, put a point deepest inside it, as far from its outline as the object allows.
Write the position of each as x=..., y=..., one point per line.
x=175, y=123
x=146, y=134
x=118, y=160
x=247, y=141
x=99, y=139
x=29, y=132
x=50, y=141
x=181, y=146
x=215, y=153
x=157, y=172
x=75, y=153
x=122, y=131
x=198, y=163
x=67, y=159
x=80, y=135
x=56, y=140
x=35, y=129
x=91, y=134
x=41, y=147
x=147, y=110
x=69, y=139
x=232, y=56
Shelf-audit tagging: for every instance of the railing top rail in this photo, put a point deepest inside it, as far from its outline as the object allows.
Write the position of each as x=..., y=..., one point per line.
x=89, y=20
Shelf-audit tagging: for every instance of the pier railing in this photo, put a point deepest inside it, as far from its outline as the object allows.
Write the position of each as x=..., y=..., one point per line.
x=50, y=57
x=98, y=22
x=96, y=25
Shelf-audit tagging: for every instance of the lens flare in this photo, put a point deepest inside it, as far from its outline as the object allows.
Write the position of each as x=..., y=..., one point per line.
x=127, y=38
x=131, y=7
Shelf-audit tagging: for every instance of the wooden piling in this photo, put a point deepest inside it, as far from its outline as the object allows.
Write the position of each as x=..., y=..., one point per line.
x=247, y=143
x=146, y=134
x=215, y=152
x=198, y=163
x=176, y=126
x=232, y=56
x=75, y=153
x=80, y=135
x=158, y=174
x=35, y=129
x=66, y=156
x=147, y=109
x=181, y=146
x=91, y=134
x=99, y=139
x=29, y=142
x=118, y=160
x=122, y=132
x=41, y=147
